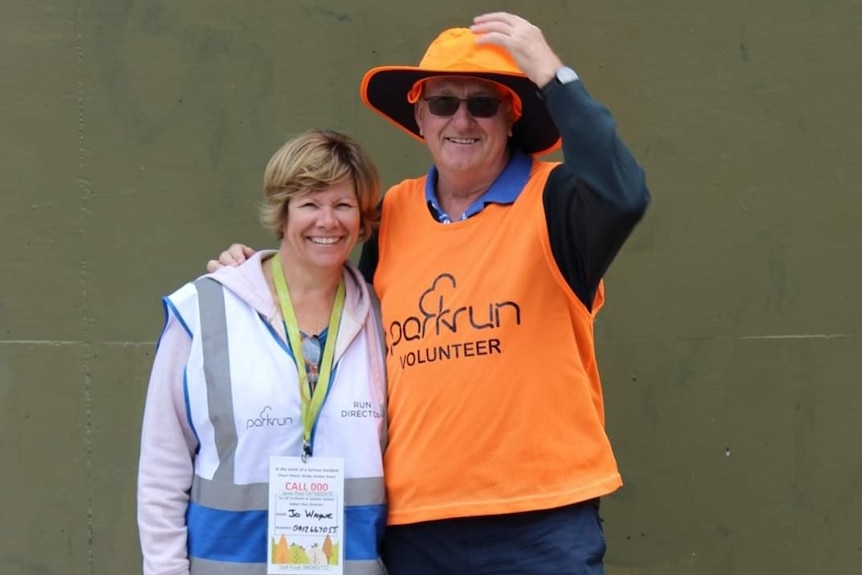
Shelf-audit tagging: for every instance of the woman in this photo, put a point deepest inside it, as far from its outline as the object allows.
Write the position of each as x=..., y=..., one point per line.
x=247, y=357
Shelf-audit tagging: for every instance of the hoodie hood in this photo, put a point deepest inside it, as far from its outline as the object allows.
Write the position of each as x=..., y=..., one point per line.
x=249, y=284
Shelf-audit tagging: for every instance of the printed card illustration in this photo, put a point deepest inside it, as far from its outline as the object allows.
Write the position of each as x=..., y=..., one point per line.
x=306, y=516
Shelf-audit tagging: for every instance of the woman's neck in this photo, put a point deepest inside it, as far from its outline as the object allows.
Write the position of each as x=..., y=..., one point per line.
x=312, y=292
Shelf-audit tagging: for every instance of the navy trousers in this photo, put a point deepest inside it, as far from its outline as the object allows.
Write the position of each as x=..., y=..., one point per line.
x=562, y=541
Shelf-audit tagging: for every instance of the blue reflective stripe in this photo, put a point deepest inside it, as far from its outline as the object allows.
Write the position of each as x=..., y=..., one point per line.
x=365, y=525
x=234, y=536
x=169, y=304
x=240, y=536
x=168, y=308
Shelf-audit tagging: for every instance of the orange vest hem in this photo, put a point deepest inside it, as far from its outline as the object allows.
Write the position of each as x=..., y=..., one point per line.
x=484, y=508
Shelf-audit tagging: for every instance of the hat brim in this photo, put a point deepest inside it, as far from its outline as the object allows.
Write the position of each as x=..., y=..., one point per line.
x=384, y=90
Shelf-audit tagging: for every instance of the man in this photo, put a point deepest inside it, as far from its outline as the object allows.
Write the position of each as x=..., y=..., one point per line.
x=489, y=273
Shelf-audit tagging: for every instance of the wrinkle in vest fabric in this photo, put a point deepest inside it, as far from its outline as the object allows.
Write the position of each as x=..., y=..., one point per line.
x=243, y=404
x=494, y=392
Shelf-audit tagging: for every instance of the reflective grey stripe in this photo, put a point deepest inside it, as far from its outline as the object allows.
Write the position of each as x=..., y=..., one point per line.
x=364, y=491
x=364, y=568
x=381, y=337
x=217, y=372
x=204, y=567
x=375, y=307
x=219, y=495
x=229, y=497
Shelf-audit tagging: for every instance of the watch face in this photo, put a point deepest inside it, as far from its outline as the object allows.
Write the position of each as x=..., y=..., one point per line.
x=566, y=75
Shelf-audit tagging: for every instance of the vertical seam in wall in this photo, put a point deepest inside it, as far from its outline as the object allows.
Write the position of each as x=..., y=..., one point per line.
x=85, y=190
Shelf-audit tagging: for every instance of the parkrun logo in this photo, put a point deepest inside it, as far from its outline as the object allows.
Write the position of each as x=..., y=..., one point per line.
x=437, y=318
x=265, y=420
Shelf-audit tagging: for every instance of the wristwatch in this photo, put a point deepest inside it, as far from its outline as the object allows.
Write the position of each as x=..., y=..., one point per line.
x=565, y=75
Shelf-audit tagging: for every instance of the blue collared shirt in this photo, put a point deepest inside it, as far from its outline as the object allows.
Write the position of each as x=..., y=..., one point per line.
x=505, y=189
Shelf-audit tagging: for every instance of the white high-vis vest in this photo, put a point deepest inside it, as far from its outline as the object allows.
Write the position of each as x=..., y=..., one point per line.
x=243, y=404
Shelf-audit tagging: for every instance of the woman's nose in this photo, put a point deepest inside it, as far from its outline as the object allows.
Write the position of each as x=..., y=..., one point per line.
x=327, y=216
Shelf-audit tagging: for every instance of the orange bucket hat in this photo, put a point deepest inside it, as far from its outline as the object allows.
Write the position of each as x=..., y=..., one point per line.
x=454, y=52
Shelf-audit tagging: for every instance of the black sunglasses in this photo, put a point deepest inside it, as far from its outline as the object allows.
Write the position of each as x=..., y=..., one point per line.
x=478, y=106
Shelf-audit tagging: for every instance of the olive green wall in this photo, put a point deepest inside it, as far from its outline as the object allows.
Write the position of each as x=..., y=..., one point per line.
x=133, y=135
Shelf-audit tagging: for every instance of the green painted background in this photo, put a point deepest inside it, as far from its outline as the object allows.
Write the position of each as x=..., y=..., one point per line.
x=133, y=136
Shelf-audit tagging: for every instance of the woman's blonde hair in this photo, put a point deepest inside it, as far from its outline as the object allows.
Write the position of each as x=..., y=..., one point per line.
x=311, y=162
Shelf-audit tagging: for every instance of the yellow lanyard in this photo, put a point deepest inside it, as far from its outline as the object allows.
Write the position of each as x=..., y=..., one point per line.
x=312, y=402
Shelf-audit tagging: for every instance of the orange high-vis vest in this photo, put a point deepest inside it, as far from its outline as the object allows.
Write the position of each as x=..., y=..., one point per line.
x=495, y=401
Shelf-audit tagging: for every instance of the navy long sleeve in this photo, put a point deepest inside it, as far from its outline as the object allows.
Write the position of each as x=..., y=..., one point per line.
x=594, y=199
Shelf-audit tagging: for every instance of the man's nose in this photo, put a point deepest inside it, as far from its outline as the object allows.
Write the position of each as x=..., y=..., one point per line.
x=462, y=114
